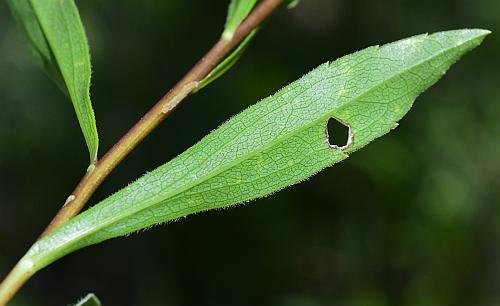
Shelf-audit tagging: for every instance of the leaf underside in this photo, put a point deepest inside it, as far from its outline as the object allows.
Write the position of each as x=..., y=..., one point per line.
x=275, y=143
x=58, y=43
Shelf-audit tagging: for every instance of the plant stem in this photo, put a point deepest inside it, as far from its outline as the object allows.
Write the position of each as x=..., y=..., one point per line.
x=17, y=277
x=96, y=175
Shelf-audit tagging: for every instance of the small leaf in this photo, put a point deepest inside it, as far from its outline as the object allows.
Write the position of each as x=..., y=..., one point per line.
x=292, y=3
x=58, y=44
x=237, y=12
x=89, y=300
x=227, y=63
x=275, y=143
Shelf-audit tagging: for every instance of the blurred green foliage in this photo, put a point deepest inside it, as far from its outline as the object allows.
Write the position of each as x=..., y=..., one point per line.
x=425, y=229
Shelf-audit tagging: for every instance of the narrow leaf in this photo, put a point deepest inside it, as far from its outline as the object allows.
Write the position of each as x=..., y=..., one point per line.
x=237, y=12
x=227, y=63
x=37, y=43
x=292, y=3
x=89, y=300
x=275, y=143
x=58, y=43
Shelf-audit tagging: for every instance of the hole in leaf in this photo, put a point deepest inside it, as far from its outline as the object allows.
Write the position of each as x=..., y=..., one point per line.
x=339, y=135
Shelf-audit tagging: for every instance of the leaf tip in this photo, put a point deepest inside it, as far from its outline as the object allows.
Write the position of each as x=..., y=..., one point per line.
x=483, y=32
x=479, y=34
x=472, y=34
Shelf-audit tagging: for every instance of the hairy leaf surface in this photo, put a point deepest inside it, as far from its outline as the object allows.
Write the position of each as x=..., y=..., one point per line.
x=275, y=143
x=58, y=44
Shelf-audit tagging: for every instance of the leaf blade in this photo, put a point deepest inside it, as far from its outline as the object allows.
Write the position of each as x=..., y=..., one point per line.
x=275, y=143
x=291, y=4
x=238, y=10
x=59, y=45
x=37, y=43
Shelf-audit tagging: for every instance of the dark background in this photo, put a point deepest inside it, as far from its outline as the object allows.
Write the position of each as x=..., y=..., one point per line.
x=413, y=219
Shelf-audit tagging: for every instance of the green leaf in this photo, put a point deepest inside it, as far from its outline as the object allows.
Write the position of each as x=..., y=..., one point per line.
x=292, y=3
x=275, y=143
x=227, y=63
x=237, y=12
x=58, y=44
x=37, y=44
x=89, y=300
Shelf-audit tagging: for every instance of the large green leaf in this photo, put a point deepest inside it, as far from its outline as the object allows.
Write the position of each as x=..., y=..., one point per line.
x=275, y=143
x=58, y=44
